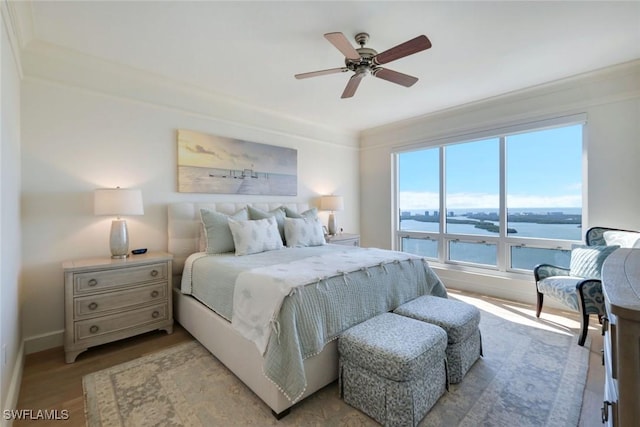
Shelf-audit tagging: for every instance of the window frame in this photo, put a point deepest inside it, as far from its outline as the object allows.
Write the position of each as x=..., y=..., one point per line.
x=504, y=243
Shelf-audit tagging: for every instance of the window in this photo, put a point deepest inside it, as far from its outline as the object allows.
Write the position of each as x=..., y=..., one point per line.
x=505, y=201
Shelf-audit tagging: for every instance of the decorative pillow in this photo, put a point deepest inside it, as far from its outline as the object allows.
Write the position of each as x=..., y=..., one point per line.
x=251, y=237
x=278, y=213
x=625, y=239
x=217, y=234
x=303, y=232
x=586, y=261
x=309, y=213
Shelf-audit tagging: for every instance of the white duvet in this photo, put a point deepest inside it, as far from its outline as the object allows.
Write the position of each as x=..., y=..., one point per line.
x=259, y=293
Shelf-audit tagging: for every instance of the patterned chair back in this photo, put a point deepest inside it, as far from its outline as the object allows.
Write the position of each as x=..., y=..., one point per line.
x=624, y=238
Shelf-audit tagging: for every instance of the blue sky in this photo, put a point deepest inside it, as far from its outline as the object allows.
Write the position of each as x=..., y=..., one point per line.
x=544, y=170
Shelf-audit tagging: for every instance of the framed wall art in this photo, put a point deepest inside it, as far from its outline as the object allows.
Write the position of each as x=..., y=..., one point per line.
x=221, y=165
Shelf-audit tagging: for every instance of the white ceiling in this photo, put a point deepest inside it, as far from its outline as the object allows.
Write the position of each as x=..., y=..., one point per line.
x=250, y=51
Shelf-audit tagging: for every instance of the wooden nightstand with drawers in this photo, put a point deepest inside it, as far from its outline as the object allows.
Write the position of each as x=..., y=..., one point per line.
x=110, y=299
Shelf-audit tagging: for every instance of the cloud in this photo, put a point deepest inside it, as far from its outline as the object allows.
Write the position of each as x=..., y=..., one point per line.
x=418, y=200
x=199, y=149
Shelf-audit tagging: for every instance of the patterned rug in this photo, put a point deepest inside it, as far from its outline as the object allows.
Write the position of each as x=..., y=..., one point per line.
x=533, y=374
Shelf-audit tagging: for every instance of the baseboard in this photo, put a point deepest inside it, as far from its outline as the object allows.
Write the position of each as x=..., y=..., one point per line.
x=14, y=387
x=46, y=341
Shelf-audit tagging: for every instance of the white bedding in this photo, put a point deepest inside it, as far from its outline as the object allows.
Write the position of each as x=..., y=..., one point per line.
x=259, y=292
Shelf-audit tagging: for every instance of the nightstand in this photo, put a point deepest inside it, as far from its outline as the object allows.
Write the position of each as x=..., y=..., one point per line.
x=109, y=299
x=345, y=239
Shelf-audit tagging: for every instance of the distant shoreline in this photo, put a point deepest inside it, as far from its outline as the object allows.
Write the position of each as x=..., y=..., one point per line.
x=485, y=221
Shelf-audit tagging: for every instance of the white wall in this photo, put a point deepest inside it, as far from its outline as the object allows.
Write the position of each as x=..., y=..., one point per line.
x=89, y=124
x=11, y=351
x=86, y=128
x=611, y=100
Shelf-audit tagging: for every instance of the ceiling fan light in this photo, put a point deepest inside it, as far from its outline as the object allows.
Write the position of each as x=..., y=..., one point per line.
x=365, y=70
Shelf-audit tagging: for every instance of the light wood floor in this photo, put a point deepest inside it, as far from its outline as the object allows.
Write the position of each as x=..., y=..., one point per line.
x=50, y=383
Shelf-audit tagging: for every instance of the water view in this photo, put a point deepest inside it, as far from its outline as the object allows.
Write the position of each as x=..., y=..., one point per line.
x=555, y=224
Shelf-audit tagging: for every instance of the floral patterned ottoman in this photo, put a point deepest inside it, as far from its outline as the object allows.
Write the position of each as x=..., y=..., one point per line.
x=393, y=368
x=460, y=320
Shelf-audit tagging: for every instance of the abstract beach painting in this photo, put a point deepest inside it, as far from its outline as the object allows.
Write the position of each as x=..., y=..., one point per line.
x=221, y=165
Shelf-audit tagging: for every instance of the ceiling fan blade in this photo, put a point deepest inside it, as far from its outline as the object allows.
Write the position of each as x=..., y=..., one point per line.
x=321, y=73
x=352, y=85
x=343, y=45
x=407, y=48
x=395, y=77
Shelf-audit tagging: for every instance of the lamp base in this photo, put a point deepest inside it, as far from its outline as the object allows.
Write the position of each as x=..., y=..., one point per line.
x=333, y=228
x=119, y=239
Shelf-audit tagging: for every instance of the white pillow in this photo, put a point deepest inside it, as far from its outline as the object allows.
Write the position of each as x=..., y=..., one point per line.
x=624, y=239
x=303, y=232
x=251, y=237
x=277, y=213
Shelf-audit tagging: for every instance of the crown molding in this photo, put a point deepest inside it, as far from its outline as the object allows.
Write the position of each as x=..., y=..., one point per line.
x=52, y=63
x=18, y=23
x=566, y=96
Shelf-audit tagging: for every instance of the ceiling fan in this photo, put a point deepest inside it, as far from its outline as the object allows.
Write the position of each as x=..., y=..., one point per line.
x=364, y=61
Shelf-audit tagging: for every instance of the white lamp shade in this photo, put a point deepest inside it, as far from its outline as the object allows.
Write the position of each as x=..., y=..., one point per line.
x=331, y=203
x=117, y=201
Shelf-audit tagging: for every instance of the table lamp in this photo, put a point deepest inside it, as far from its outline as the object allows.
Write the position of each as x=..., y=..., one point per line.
x=118, y=202
x=332, y=203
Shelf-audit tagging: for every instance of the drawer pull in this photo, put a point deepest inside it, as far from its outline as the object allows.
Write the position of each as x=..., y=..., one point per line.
x=155, y=314
x=92, y=282
x=154, y=273
x=93, y=306
x=94, y=329
x=154, y=294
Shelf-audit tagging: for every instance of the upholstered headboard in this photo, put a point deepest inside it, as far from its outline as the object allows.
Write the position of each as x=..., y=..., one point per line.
x=184, y=225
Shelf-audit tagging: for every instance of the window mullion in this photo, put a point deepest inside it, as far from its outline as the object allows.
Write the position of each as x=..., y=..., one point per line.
x=443, y=247
x=502, y=247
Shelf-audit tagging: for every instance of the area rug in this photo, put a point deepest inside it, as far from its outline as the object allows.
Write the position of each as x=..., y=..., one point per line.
x=530, y=375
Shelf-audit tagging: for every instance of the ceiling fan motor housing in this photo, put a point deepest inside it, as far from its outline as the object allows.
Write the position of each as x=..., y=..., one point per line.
x=365, y=63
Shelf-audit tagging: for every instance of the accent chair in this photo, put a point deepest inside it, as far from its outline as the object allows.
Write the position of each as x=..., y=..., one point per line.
x=579, y=287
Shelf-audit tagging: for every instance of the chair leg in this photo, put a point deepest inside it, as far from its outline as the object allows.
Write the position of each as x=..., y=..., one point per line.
x=539, y=303
x=584, y=329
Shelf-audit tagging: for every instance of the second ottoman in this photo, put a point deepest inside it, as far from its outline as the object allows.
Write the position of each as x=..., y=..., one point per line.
x=460, y=320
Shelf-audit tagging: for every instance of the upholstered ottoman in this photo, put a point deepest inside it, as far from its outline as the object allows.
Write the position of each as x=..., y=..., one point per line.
x=460, y=320
x=393, y=368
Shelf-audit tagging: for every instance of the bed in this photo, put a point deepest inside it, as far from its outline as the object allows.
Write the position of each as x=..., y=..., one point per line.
x=328, y=289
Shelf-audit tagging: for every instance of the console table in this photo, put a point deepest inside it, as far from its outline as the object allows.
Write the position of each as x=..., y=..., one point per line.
x=621, y=288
